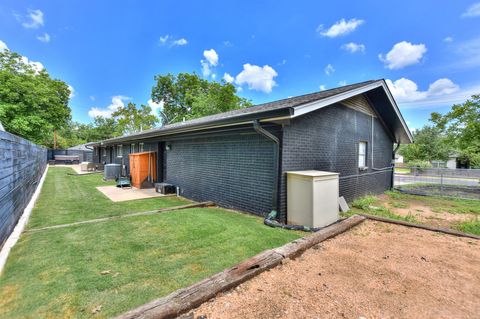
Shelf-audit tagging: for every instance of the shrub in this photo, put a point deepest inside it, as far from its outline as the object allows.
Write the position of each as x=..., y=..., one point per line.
x=419, y=164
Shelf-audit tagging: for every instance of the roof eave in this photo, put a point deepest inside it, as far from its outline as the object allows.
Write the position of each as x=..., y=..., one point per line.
x=237, y=120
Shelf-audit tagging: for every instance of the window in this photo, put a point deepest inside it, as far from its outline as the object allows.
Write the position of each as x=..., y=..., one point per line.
x=119, y=150
x=132, y=148
x=140, y=147
x=362, y=154
x=104, y=151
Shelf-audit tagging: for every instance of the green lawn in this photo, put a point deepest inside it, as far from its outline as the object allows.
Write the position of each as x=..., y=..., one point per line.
x=58, y=273
x=67, y=199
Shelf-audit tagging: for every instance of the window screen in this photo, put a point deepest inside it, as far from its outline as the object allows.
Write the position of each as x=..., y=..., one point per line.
x=362, y=154
x=119, y=150
x=132, y=148
x=140, y=147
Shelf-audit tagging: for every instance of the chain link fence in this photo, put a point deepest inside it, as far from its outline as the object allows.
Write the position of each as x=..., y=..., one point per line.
x=458, y=183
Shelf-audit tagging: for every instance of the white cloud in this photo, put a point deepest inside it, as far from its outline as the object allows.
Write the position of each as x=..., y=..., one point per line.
x=448, y=39
x=44, y=38
x=164, y=39
x=206, y=71
x=156, y=107
x=257, y=78
x=3, y=46
x=228, y=44
x=342, y=83
x=33, y=20
x=72, y=91
x=403, y=54
x=92, y=98
x=472, y=11
x=353, y=47
x=211, y=56
x=117, y=102
x=228, y=78
x=329, y=69
x=322, y=87
x=340, y=27
x=442, y=91
x=180, y=42
x=211, y=60
x=37, y=66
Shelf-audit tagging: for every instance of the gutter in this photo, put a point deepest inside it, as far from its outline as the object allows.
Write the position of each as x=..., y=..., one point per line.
x=276, y=161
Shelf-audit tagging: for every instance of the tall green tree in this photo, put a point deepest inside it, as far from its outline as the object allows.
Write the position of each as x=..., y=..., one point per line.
x=187, y=96
x=131, y=119
x=462, y=127
x=429, y=145
x=32, y=104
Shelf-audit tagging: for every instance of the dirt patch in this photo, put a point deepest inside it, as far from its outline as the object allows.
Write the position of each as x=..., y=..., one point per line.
x=425, y=215
x=376, y=270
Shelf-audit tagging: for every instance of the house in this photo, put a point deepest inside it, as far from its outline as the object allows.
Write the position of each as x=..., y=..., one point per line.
x=239, y=159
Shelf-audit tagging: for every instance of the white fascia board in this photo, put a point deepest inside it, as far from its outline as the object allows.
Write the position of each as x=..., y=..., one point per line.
x=312, y=106
x=397, y=110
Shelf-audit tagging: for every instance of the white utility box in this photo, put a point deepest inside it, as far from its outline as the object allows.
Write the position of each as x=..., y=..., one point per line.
x=312, y=198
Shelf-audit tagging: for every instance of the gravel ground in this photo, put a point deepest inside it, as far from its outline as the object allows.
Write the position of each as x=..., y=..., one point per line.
x=375, y=270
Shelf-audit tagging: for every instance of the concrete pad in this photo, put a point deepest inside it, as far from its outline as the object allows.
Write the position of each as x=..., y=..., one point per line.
x=117, y=194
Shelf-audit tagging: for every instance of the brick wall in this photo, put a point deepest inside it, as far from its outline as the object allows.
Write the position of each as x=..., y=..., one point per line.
x=22, y=164
x=327, y=140
x=233, y=170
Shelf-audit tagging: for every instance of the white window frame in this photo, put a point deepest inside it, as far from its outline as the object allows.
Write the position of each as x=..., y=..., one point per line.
x=362, y=154
x=140, y=147
x=119, y=150
x=132, y=148
x=104, y=151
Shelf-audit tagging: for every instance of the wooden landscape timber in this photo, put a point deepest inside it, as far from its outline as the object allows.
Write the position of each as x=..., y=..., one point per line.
x=104, y=219
x=186, y=299
x=420, y=226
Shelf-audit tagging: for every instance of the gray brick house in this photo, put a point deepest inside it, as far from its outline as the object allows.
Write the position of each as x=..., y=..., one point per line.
x=238, y=159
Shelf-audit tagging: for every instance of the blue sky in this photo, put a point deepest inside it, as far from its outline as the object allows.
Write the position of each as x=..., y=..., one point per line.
x=109, y=51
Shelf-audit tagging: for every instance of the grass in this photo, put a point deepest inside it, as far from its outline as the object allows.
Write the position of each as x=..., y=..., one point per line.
x=402, y=170
x=371, y=205
x=67, y=199
x=58, y=273
x=377, y=206
x=471, y=226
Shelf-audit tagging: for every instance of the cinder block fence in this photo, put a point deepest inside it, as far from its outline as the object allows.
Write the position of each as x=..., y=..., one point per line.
x=22, y=164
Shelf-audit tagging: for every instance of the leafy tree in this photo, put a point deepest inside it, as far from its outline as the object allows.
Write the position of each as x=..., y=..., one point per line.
x=429, y=145
x=187, y=96
x=462, y=128
x=131, y=119
x=32, y=104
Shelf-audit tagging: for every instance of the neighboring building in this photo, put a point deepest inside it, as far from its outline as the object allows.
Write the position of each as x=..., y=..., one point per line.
x=239, y=159
x=398, y=158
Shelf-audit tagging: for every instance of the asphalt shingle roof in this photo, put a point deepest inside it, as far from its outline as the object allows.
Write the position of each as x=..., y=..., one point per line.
x=265, y=107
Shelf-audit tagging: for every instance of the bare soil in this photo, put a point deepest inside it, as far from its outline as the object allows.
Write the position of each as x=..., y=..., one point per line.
x=425, y=215
x=375, y=270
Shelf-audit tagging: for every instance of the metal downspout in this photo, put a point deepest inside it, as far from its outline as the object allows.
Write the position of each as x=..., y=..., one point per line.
x=392, y=182
x=276, y=165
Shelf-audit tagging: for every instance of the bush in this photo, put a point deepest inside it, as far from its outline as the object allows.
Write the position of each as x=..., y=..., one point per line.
x=364, y=202
x=419, y=164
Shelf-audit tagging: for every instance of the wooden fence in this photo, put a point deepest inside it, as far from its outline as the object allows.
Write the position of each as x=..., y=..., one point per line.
x=22, y=164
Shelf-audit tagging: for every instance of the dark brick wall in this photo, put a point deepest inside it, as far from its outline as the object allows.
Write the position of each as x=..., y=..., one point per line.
x=327, y=140
x=233, y=170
